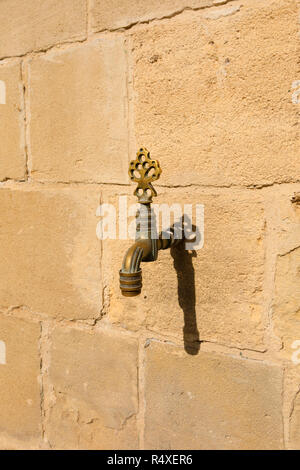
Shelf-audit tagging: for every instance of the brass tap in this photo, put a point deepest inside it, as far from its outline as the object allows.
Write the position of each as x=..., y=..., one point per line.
x=143, y=170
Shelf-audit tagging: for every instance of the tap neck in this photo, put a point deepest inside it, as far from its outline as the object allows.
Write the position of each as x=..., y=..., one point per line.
x=145, y=222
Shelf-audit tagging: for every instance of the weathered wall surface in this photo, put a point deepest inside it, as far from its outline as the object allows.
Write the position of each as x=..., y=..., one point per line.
x=207, y=356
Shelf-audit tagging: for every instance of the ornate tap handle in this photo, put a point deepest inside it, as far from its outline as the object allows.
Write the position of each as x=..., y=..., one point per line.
x=143, y=170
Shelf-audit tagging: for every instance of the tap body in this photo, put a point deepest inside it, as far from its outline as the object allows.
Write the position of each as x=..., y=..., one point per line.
x=143, y=170
x=145, y=248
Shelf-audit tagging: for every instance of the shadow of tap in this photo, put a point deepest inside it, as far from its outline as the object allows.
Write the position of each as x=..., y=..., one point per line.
x=183, y=264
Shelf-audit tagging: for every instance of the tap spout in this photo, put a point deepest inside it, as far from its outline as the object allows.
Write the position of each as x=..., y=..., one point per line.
x=144, y=249
x=131, y=273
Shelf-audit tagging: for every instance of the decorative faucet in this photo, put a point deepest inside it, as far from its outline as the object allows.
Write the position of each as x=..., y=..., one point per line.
x=143, y=170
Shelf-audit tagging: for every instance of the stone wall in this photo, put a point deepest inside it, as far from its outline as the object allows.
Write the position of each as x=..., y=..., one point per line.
x=207, y=356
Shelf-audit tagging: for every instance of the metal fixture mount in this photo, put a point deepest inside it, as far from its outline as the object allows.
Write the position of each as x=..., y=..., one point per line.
x=143, y=170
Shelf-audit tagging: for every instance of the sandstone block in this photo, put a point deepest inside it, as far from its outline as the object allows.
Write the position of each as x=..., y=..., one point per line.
x=284, y=227
x=286, y=307
x=28, y=26
x=95, y=385
x=220, y=97
x=78, y=113
x=50, y=255
x=213, y=294
x=12, y=153
x=20, y=415
x=295, y=425
x=210, y=401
